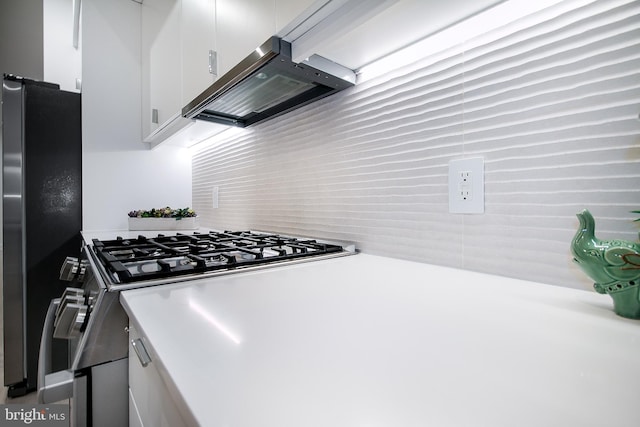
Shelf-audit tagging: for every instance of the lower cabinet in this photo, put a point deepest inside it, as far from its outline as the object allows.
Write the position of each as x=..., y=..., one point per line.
x=150, y=403
x=134, y=414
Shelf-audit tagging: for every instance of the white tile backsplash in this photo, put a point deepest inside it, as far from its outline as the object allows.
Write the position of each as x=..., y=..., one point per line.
x=552, y=108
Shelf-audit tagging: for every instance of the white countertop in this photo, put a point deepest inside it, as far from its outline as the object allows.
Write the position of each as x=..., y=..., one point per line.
x=372, y=341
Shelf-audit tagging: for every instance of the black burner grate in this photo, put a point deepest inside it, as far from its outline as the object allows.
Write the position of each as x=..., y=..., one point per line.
x=142, y=258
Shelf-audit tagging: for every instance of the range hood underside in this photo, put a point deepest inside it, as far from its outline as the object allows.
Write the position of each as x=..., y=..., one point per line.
x=267, y=84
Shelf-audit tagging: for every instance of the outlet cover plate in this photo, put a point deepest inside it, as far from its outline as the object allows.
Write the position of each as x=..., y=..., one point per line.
x=215, y=193
x=466, y=185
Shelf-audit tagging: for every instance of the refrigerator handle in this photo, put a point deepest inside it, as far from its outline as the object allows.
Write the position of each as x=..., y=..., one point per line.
x=52, y=386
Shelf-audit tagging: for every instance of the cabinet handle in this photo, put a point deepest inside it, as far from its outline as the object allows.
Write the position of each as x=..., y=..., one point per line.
x=154, y=115
x=213, y=62
x=76, y=24
x=141, y=351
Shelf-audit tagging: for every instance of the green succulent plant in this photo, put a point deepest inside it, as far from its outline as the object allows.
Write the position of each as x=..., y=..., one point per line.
x=166, y=212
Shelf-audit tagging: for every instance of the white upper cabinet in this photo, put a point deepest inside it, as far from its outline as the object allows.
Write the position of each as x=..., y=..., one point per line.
x=161, y=62
x=241, y=26
x=177, y=38
x=198, y=41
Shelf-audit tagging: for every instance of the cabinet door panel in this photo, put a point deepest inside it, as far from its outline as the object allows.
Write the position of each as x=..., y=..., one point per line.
x=161, y=61
x=149, y=394
x=198, y=38
x=242, y=26
x=134, y=415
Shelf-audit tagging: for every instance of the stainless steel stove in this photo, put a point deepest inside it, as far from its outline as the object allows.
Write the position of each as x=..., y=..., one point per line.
x=89, y=315
x=127, y=263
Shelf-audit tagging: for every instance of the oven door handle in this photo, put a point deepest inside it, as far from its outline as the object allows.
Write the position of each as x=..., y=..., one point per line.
x=52, y=386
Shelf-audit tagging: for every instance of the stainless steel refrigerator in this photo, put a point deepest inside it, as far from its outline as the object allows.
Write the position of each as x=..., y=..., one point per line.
x=42, y=215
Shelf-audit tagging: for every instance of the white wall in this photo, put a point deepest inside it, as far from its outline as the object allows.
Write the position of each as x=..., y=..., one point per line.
x=552, y=107
x=120, y=173
x=21, y=38
x=62, y=61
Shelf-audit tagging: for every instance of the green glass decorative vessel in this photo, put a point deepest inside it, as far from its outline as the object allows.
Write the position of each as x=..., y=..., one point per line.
x=614, y=265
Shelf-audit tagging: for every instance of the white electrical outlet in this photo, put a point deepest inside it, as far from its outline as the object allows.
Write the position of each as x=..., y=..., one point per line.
x=214, y=197
x=466, y=185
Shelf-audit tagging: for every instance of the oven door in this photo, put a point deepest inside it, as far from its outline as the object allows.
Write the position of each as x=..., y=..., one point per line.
x=62, y=385
x=95, y=379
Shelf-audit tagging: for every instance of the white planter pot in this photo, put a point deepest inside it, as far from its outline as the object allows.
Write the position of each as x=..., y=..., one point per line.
x=137, y=224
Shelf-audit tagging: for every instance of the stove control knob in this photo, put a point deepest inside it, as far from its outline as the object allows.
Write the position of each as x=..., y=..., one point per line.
x=71, y=320
x=79, y=321
x=73, y=295
x=69, y=269
x=84, y=265
x=71, y=314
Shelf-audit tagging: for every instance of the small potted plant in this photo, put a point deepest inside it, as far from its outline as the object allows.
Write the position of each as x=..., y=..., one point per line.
x=163, y=219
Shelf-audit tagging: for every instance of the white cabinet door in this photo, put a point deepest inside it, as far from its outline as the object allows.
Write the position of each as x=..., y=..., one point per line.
x=134, y=414
x=242, y=26
x=148, y=393
x=161, y=62
x=177, y=36
x=198, y=39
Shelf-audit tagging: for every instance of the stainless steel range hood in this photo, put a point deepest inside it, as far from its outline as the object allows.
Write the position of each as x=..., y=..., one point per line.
x=267, y=84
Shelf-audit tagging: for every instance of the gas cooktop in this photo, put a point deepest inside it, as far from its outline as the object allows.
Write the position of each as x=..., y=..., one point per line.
x=181, y=255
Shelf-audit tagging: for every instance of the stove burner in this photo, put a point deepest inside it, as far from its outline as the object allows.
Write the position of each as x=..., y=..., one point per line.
x=132, y=260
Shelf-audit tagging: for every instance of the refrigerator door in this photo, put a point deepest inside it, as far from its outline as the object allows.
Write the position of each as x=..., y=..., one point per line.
x=42, y=201
x=13, y=249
